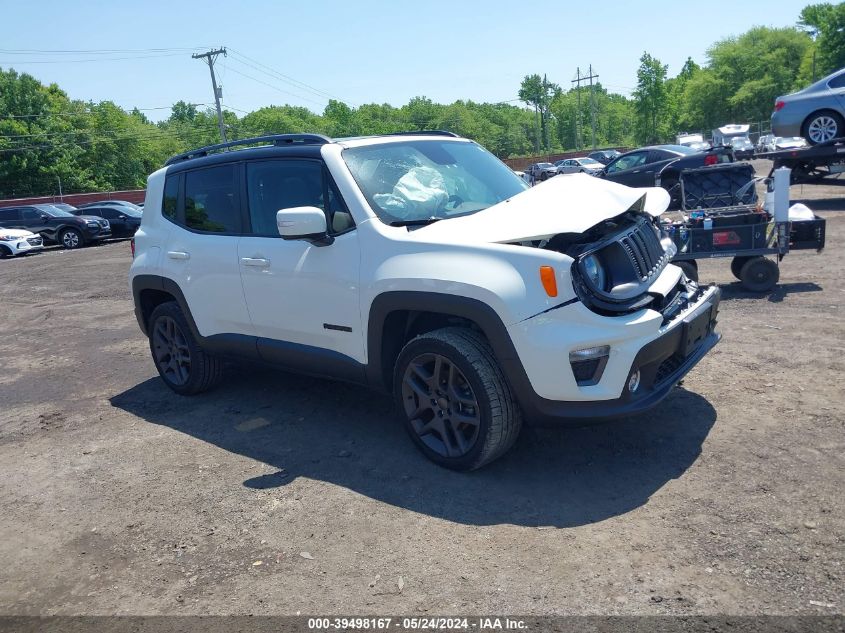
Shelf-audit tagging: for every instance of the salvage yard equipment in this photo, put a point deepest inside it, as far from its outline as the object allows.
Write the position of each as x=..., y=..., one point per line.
x=723, y=219
x=810, y=164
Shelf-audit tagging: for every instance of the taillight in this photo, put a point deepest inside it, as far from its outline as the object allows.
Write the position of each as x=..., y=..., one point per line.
x=779, y=105
x=710, y=159
x=132, y=247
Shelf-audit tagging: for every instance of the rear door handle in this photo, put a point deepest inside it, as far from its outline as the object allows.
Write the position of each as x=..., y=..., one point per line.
x=258, y=262
x=178, y=255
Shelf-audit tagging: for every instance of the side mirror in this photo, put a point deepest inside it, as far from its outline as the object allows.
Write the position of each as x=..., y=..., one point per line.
x=304, y=223
x=121, y=217
x=44, y=216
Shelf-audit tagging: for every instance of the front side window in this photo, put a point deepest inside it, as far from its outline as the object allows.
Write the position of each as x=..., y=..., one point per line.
x=418, y=181
x=627, y=162
x=273, y=185
x=211, y=200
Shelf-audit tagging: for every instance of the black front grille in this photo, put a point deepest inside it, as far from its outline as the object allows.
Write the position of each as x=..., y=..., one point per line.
x=644, y=250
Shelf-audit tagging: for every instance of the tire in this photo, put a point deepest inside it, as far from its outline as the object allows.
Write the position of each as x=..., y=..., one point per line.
x=5, y=251
x=736, y=266
x=194, y=371
x=472, y=382
x=71, y=239
x=823, y=126
x=759, y=274
x=673, y=187
x=543, y=176
x=690, y=269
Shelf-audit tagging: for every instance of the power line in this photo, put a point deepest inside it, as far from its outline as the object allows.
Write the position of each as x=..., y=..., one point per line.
x=89, y=112
x=83, y=61
x=95, y=51
x=290, y=94
x=267, y=70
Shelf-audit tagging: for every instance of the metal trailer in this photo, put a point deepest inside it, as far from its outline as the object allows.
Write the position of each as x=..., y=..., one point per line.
x=723, y=219
x=810, y=164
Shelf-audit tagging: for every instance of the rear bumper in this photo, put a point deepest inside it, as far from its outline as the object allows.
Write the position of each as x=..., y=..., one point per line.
x=787, y=121
x=662, y=363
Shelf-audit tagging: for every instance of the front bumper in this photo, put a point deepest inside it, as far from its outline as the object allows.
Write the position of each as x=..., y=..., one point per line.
x=95, y=235
x=25, y=245
x=662, y=362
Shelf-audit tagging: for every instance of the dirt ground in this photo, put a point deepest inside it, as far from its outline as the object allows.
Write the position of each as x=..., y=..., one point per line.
x=278, y=494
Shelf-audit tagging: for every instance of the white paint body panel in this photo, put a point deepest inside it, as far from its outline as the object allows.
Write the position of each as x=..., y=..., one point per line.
x=287, y=290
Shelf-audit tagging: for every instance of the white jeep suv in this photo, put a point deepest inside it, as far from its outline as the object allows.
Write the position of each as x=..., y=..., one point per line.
x=420, y=265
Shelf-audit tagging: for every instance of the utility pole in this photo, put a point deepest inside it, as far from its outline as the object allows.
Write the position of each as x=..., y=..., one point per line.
x=592, y=105
x=577, y=81
x=210, y=58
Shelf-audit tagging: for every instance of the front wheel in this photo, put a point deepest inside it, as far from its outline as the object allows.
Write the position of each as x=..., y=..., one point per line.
x=71, y=239
x=181, y=363
x=457, y=404
x=5, y=251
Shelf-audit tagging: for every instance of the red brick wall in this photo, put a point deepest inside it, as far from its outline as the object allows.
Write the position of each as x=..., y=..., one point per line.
x=521, y=163
x=134, y=195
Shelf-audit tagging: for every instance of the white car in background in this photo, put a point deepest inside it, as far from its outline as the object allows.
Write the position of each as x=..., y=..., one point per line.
x=17, y=241
x=579, y=165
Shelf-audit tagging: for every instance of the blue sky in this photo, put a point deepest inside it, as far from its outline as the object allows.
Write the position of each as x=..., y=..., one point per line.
x=362, y=51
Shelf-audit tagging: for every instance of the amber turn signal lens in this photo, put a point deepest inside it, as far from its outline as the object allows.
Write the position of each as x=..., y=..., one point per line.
x=547, y=276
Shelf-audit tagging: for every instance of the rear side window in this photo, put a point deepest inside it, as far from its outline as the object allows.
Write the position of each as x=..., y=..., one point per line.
x=9, y=214
x=171, y=197
x=837, y=82
x=211, y=203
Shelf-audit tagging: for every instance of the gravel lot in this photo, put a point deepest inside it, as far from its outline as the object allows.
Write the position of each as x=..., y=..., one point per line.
x=278, y=494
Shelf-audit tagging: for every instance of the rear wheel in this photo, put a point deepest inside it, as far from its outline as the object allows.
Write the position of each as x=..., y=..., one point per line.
x=457, y=404
x=543, y=176
x=759, y=274
x=736, y=266
x=180, y=361
x=690, y=269
x=71, y=239
x=822, y=127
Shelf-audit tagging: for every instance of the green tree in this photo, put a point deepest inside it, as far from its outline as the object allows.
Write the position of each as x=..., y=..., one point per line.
x=826, y=23
x=651, y=99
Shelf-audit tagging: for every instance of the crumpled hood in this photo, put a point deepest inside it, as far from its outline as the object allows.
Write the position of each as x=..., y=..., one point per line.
x=16, y=232
x=569, y=203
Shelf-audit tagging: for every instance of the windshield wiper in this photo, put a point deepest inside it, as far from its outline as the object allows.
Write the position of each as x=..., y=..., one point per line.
x=419, y=222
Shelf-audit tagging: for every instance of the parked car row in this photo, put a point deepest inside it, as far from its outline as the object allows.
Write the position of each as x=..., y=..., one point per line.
x=772, y=143
x=657, y=165
x=26, y=228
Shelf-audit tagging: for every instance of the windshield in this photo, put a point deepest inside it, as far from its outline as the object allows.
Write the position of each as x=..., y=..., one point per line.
x=55, y=211
x=589, y=161
x=415, y=181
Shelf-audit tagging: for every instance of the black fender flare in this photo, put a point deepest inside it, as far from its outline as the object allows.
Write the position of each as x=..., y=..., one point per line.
x=486, y=318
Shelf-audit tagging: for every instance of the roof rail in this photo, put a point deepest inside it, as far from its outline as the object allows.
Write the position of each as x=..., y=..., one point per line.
x=275, y=139
x=423, y=133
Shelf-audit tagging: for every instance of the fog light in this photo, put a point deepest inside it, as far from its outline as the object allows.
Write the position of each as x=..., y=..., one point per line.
x=634, y=381
x=588, y=364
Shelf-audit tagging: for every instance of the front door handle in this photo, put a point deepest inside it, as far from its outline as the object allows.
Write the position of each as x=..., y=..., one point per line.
x=258, y=262
x=178, y=255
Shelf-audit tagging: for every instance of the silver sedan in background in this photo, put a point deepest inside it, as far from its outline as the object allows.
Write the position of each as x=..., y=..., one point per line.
x=579, y=165
x=817, y=112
